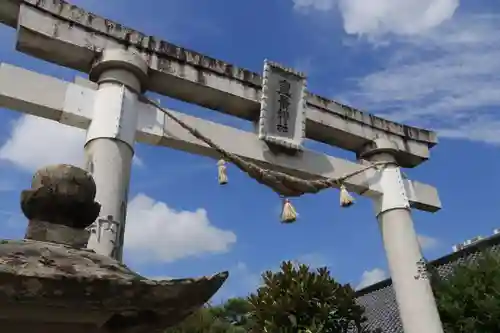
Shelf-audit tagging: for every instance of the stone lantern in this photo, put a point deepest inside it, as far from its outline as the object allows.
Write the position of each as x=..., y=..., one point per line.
x=50, y=282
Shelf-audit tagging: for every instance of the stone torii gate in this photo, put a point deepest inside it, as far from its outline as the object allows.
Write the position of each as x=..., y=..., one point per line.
x=123, y=63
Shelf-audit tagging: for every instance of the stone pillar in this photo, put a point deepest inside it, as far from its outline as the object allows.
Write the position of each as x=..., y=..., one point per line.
x=415, y=299
x=60, y=205
x=109, y=147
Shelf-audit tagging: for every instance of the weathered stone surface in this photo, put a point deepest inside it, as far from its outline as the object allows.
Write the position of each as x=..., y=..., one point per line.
x=53, y=276
x=57, y=233
x=61, y=194
x=60, y=205
x=66, y=179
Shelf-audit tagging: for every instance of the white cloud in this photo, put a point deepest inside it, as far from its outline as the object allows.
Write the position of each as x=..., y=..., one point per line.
x=408, y=17
x=438, y=67
x=427, y=242
x=482, y=129
x=370, y=277
x=375, y=18
x=156, y=232
x=36, y=142
x=445, y=80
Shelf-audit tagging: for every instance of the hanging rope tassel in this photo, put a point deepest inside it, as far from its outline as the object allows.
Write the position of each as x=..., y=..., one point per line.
x=346, y=199
x=282, y=183
x=288, y=214
x=222, y=172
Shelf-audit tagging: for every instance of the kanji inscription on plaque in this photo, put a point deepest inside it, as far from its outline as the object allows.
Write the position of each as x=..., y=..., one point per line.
x=282, y=114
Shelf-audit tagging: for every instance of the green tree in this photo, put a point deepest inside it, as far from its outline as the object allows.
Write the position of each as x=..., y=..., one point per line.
x=469, y=299
x=297, y=299
x=225, y=318
x=234, y=311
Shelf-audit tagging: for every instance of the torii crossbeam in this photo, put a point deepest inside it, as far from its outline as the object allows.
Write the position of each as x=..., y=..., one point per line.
x=125, y=63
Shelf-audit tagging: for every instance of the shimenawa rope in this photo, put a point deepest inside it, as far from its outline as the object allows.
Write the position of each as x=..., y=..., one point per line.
x=285, y=185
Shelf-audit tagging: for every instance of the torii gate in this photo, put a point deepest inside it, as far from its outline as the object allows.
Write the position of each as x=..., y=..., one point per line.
x=124, y=63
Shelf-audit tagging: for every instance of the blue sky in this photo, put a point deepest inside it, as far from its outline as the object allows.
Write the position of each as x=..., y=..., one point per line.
x=429, y=63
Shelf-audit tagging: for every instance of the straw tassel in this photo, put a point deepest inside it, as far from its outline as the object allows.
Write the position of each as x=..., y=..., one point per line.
x=346, y=199
x=288, y=214
x=222, y=172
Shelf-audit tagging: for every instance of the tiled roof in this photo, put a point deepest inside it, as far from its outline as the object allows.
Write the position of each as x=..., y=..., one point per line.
x=379, y=299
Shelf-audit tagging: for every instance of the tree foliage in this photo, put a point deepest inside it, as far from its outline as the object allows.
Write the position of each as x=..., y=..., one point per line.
x=294, y=299
x=230, y=317
x=234, y=311
x=297, y=299
x=469, y=299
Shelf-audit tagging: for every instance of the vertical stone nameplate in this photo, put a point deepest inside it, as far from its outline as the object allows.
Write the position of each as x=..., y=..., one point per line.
x=282, y=110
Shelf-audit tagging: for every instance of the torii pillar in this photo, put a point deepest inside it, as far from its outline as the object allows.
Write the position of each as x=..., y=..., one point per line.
x=109, y=147
x=414, y=296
